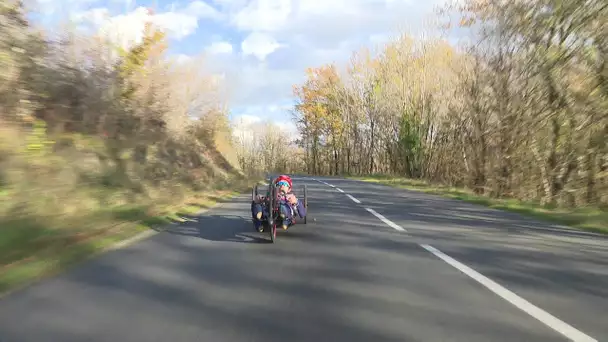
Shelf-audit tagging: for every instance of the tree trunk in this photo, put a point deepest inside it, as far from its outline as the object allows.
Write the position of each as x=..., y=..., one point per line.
x=372, y=147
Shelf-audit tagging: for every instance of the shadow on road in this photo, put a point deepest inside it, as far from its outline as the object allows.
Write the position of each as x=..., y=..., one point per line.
x=346, y=277
x=219, y=228
x=440, y=211
x=233, y=224
x=506, y=246
x=560, y=269
x=230, y=298
x=537, y=269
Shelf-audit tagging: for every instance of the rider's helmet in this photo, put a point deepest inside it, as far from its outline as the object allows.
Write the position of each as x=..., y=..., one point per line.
x=284, y=178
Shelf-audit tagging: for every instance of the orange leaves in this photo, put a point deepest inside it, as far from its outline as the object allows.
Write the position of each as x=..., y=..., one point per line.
x=319, y=82
x=467, y=21
x=317, y=99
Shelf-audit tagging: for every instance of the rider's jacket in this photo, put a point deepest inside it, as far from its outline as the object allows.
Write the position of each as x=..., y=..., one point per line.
x=298, y=207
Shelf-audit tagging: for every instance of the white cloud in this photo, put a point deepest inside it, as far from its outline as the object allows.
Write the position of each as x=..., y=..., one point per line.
x=324, y=7
x=178, y=25
x=182, y=23
x=328, y=22
x=59, y=8
x=181, y=59
x=95, y=16
x=246, y=127
x=287, y=36
x=289, y=129
x=260, y=45
x=127, y=29
x=201, y=9
x=263, y=15
x=220, y=48
x=247, y=120
x=280, y=38
x=263, y=85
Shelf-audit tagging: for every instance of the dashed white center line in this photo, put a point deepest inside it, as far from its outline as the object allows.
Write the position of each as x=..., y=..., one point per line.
x=544, y=317
x=385, y=220
x=527, y=307
x=340, y=190
x=354, y=199
x=382, y=218
x=331, y=185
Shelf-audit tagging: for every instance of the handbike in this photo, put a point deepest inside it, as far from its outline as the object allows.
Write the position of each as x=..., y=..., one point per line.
x=273, y=219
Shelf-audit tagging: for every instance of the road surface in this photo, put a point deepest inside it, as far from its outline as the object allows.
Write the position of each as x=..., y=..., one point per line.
x=378, y=264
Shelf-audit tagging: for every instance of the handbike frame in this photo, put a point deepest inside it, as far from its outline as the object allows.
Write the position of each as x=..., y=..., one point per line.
x=274, y=219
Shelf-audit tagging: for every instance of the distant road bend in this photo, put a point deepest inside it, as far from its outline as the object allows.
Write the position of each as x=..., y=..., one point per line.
x=377, y=264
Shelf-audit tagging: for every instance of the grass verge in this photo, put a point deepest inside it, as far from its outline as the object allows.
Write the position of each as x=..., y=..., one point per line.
x=588, y=218
x=32, y=248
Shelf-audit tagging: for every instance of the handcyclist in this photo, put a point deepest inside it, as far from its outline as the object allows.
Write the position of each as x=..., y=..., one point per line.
x=288, y=203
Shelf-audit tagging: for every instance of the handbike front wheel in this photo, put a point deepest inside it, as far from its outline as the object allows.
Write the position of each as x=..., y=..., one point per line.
x=306, y=203
x=273, y=232
x=272, y=223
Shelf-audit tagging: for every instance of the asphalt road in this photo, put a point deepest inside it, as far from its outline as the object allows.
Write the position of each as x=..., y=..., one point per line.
x=377, y=270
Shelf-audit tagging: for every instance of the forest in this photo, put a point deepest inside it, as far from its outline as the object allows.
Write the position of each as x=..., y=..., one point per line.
x=99, y=142
x=520, y=111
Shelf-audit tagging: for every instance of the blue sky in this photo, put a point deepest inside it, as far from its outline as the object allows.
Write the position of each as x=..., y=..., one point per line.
x=262, y=47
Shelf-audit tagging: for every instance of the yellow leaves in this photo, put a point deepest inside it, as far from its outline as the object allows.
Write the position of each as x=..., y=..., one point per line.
x=408, y=69
x=37, y=142
x=321, y=81
x=138, y=61
x=153, y=45
x=467, y=21
x=317, y=98
x=405, y=73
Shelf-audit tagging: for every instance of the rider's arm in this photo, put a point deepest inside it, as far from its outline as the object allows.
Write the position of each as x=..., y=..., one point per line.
x=259, y=199
x=301, y=208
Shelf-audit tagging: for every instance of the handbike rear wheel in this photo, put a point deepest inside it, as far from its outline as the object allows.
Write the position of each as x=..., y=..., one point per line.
x=273, y=232
x=272, y=224
x=254, y=195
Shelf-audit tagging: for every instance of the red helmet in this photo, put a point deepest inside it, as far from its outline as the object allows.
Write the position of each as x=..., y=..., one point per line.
x=284, y=178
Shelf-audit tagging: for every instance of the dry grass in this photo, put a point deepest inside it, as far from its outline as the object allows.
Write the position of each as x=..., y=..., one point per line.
x=62, y=204
x=95, y=149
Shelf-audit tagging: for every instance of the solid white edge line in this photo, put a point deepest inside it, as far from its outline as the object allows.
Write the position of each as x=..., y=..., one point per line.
x=385, y=220
x=529, y=308
x=354, y=199
x=124, y=243
x=342, y=191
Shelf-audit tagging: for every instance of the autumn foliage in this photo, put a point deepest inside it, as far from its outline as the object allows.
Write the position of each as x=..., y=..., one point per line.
x=85, y=123
x=520, y=112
